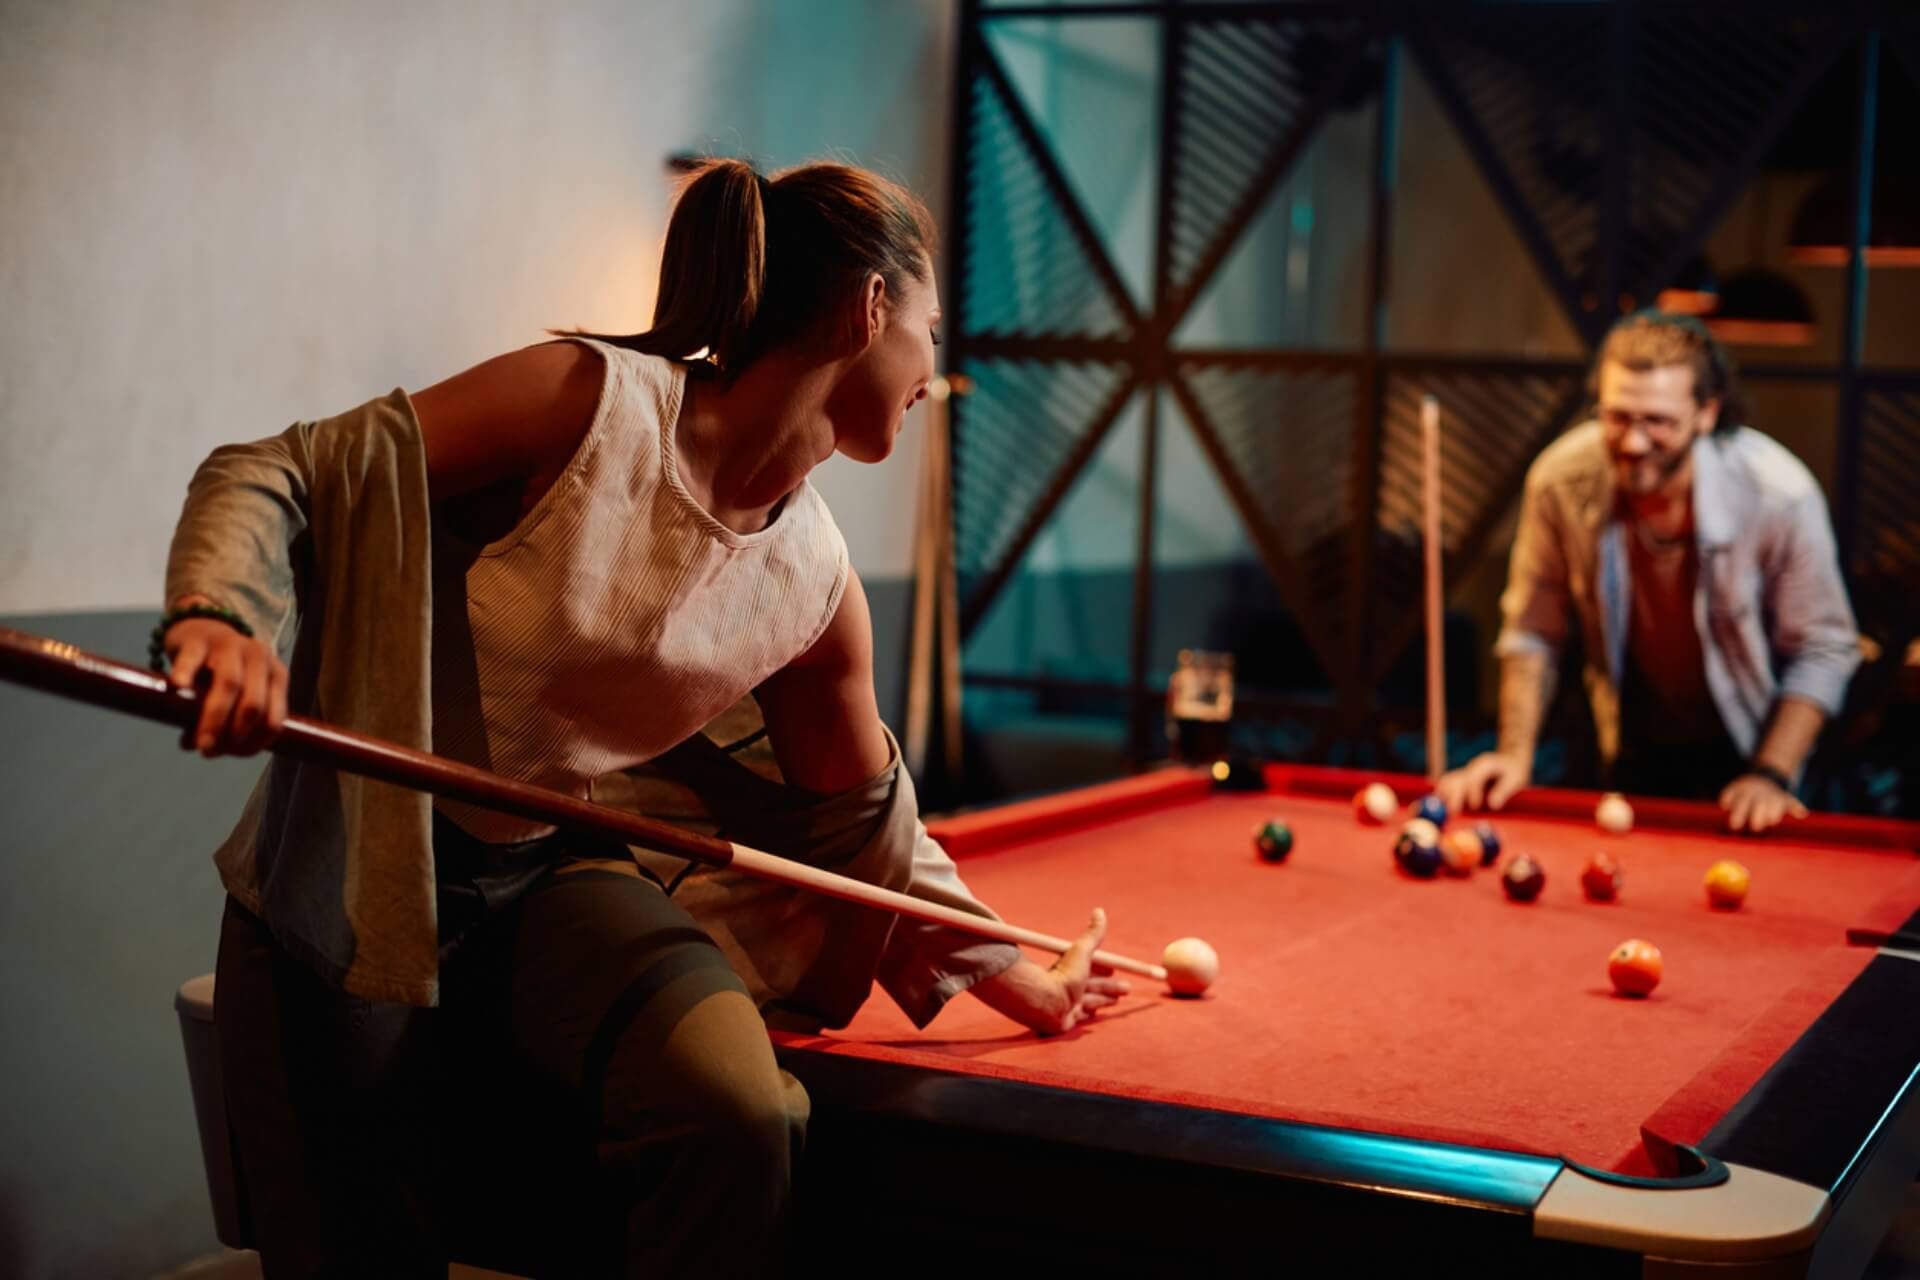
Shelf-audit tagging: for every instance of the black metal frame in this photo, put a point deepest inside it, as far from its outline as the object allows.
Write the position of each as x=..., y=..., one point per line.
x=1359, y=642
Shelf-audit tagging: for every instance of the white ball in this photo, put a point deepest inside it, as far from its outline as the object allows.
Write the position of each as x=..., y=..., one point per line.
x=1378, y=802
x=1191, y=966
x=1421, y=829
x=1614, y=814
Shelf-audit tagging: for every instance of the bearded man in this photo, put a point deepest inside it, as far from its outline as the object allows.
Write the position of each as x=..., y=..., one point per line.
x=1695, y=556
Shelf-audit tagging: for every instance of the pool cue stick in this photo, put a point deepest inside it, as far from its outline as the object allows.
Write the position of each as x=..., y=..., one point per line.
x=920, y=642
x=55, y=667
x=947, y=599
x=1436, y=651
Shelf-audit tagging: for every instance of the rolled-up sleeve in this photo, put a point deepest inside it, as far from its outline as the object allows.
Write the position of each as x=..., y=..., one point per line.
x=1815, y=641
x=810, y=961
x=1534, y=607
x=246, y=506
x=925, y=964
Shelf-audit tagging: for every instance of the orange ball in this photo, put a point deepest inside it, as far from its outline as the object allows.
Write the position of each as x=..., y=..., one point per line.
x=1460, y=851
x=1634, y=967
x=1727, y=883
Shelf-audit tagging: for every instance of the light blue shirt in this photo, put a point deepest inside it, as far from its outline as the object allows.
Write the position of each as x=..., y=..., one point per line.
x=1769, y=604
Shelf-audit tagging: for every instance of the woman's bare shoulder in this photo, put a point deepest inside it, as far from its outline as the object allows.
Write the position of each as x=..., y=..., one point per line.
x=515, y=414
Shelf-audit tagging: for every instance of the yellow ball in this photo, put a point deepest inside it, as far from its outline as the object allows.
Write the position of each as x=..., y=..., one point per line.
x=1727, y=883
x=1191, y=966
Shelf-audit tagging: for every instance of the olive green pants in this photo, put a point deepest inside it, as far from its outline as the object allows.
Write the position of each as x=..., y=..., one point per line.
x=596, y=1094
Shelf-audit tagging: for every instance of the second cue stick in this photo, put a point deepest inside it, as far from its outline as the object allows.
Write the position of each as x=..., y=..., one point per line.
x=64, y=669
x=1436, y=650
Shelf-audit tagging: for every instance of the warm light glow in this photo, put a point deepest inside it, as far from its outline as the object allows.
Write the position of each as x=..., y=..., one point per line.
x=1687, y=302
x=1761, y=333
x=1835, y=255
x=939, y=388
x=1220, y=771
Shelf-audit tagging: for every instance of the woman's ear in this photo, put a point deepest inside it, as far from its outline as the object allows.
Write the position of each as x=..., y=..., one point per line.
x=873, y=306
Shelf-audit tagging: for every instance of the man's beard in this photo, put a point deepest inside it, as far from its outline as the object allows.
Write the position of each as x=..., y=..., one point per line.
x=1650, y=473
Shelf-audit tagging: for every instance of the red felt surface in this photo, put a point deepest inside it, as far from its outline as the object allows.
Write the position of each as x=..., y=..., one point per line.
x=1353, y=995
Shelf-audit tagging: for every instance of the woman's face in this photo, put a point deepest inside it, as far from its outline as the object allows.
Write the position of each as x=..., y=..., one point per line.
x=890, y=375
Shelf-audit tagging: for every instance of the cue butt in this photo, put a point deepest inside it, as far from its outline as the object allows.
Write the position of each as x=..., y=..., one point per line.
x=69, y=671
x=1435, y=588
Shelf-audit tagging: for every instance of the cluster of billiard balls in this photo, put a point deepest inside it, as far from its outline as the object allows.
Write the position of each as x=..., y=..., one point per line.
x=1423, y=848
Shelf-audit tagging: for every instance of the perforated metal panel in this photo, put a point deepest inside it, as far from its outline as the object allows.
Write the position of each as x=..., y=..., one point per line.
x=1028, y=270
x=1248, y=94
x=1533, y=81
x=1614, y=138
x=1708, y=95
x=1019, y=438
x=1887, y=544
x=1290, y=442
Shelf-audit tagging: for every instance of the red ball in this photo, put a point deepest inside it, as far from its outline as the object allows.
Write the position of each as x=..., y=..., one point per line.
x=1523, y=879
x=1602, y=878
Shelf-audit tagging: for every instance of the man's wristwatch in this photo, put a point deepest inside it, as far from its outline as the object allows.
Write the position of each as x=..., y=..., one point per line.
x=1771, y=774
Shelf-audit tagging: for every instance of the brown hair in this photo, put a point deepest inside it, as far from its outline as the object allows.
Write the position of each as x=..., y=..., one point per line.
x=752, y=262
x=1656, y=340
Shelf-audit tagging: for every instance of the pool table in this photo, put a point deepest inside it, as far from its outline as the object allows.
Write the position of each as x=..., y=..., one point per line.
x=1395, y=1073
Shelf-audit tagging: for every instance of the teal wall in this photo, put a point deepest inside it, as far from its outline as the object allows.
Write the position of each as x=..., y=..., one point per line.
x=111, y=903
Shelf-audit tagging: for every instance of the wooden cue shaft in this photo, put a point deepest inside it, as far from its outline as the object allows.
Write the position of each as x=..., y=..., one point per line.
x=64, y=669
x=920, y=641
x=1436, y=647
x=947, y=598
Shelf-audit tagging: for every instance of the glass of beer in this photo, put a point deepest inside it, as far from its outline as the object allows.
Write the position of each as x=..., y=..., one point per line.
x=1200, y=706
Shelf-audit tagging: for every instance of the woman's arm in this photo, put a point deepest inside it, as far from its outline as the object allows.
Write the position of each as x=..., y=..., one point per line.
x=824, y=726
x=515, y=420
x=821, y=715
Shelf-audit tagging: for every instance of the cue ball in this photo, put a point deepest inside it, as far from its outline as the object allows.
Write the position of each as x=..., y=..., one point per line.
x=1613, y=814
x=1727, y=885
x=1191, y=966
x=1376, y=804
x=1523, y=879
x=1634, y=967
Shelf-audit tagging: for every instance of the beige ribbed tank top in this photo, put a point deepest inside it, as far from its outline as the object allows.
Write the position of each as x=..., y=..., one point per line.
x=619, y=616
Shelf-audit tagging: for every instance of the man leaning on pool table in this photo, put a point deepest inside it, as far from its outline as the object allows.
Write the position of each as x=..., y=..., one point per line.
x=1695, y=556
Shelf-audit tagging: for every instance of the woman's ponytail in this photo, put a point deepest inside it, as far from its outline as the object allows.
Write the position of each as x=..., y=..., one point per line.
x=750, y=264
x=713, y=269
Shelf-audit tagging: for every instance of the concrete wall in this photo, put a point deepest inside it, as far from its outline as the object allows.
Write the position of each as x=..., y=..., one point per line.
x=223, y=216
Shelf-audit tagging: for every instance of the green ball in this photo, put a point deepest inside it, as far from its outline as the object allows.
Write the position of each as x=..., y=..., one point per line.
x=1273, y=840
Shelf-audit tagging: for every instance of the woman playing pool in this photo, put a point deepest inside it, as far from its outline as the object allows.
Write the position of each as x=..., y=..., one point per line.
x=560, y=564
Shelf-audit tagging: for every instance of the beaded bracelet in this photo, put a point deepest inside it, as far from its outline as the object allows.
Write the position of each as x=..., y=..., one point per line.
x=1771, y=774
x=157, y=642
